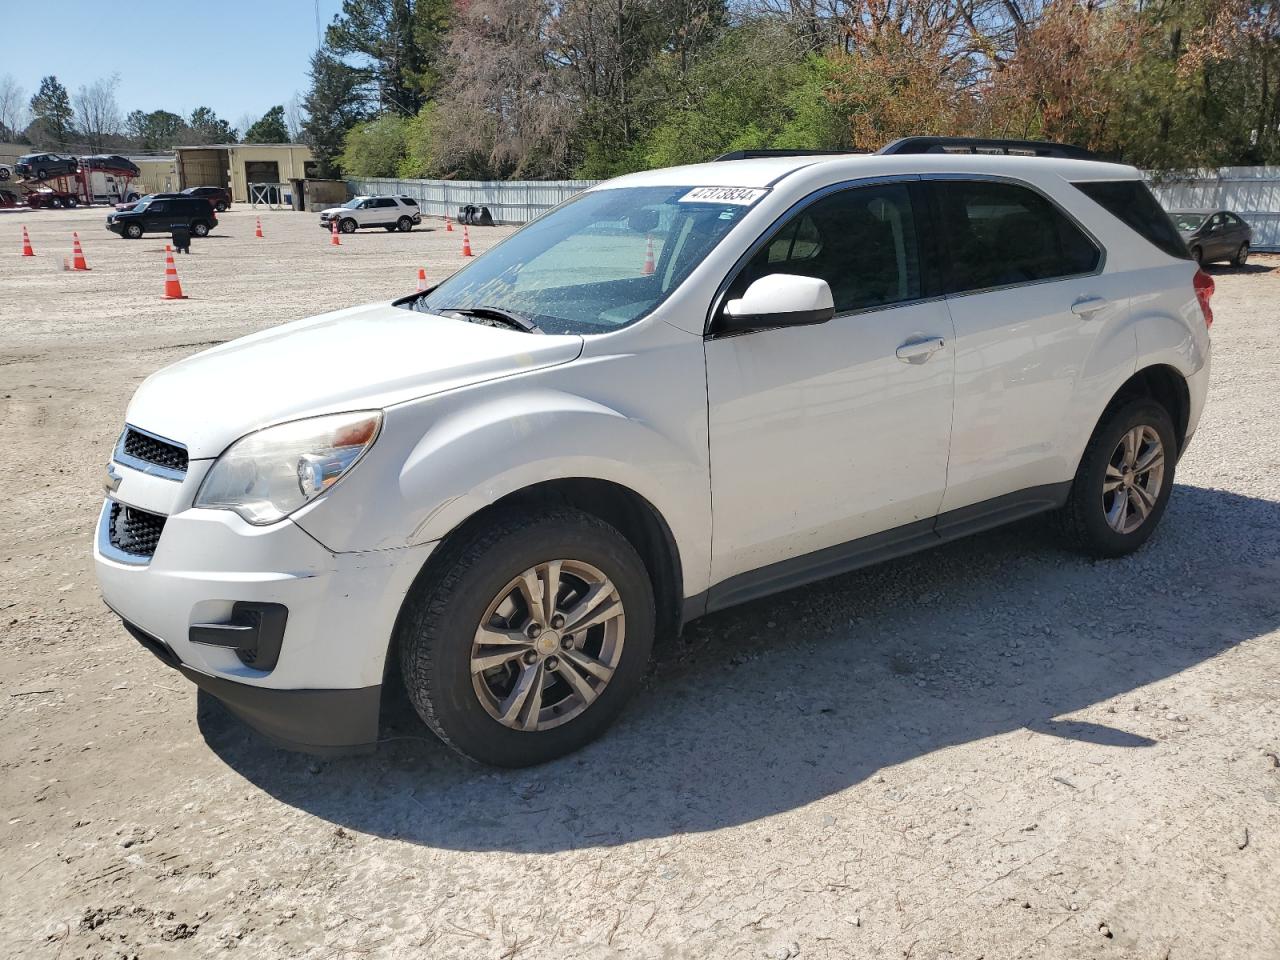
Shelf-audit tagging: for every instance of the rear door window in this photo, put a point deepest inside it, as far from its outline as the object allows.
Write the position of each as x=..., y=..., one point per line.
x=1001, y=234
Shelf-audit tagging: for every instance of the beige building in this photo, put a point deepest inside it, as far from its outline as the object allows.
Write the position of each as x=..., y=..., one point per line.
x=236, y=165
x=159, y=174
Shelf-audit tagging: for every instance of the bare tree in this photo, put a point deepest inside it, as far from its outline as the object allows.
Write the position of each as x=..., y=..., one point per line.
x=295, y=118
x=97, y=112
x=13, y=107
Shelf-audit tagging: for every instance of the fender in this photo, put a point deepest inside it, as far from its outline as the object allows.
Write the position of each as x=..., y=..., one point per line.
x=1112, y=359
x=477, y=451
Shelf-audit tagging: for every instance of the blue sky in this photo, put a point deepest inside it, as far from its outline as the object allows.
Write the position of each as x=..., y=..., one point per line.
x=236, y=56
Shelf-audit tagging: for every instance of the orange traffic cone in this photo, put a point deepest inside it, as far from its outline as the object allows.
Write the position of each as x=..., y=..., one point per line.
x=258, y=232
x=77, y=254
x=26, y=244
x=333, y=234
x=448, y=225
x=648, y=258
x=172, y=288
x=466, y=242
x=422, y=280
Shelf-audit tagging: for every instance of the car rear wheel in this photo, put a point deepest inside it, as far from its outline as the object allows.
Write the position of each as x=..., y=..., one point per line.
x=530, y=639
x=1124, y=481
x=133, y=231
x=1242, y=256
x=42, y=174
x=347, y=225
x=200, y=228
x=220, y=206
x=404, y=224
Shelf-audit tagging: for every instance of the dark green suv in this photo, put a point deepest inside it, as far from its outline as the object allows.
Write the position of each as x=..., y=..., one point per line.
x=162, y=214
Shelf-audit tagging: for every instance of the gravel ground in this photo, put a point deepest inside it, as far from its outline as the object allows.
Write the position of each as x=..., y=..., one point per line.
x=996, y=749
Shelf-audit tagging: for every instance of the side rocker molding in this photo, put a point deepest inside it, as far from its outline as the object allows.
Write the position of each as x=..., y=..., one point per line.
x=866, y=551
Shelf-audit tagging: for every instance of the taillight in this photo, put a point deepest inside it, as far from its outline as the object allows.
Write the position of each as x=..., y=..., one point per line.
x=1203, y=284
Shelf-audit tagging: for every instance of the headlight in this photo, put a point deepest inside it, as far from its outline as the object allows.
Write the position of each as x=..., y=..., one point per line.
x=268, y=475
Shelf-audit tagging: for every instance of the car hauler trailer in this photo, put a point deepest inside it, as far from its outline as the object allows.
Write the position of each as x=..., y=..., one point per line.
x=88, y=185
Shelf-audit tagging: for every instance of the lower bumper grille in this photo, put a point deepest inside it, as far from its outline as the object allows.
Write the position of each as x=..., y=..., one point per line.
x=133, y=531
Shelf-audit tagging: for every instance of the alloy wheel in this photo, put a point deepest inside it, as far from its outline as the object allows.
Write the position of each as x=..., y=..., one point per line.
x=548, y=645
x=1134, y=475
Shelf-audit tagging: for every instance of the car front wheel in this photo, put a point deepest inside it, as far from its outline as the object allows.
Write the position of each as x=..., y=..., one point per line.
x=133, y=231
x=1124, y=481
x=532, y=636
x=347, y=225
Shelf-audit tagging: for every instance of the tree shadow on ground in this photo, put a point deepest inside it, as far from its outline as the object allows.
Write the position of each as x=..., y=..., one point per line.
x=779, y=703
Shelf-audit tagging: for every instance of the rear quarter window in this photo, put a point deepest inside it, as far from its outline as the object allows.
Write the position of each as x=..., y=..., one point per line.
x=1131, y=202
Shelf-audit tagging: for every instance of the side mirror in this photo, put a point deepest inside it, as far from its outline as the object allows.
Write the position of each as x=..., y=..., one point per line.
x=780, y=300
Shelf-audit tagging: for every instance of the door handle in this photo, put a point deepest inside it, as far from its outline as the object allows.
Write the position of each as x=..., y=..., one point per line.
x=918, y=351
x=1086, y=307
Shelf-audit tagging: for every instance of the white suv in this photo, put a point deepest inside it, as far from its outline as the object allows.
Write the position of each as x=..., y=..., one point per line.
x=391, y=213
x=681, y=390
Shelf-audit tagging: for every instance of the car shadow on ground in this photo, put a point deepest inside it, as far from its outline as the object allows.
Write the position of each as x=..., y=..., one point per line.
x=774, y=705
x=1219, y=269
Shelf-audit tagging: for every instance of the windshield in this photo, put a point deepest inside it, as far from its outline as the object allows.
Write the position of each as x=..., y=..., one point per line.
x=353, y=203
x=600, y=261
x=142, y=205
x=1188, y=222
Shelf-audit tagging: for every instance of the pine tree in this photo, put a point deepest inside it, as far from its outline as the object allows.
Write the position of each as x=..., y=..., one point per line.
x=51, y=111
x=334, y=104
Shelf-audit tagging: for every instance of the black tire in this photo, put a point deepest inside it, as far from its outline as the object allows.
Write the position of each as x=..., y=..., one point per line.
x=199, y=228
x=1242, y=256
x=133, y=231
x=347, y=225
x=438, y=623
x=1197, y=254
x=70, y=202
x=42, y=174
x=4, y=173
x=1083, y=519
x=404, y=224
x=220, y=206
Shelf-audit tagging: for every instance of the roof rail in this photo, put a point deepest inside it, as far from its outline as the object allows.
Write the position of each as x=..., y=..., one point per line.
x=1018, y=148
x=763, y=154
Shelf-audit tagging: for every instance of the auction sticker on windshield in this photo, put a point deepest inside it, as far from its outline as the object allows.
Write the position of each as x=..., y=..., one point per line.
x=742, y=196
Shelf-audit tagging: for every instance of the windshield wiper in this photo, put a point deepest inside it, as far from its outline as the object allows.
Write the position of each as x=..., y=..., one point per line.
x=501, y=316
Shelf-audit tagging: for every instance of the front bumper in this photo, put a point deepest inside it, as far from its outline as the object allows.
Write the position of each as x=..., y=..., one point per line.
x=313, y=721
x=321, y=692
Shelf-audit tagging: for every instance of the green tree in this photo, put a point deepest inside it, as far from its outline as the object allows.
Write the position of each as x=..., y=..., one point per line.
x=334, y=104
x=376, y=148
x=156, y=130
x=397, y=46
x=207, y=127
x=51, y=111
x=269, y=129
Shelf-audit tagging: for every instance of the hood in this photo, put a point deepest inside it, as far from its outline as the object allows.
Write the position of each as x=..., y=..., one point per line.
x=330, y=211
x=362, y=358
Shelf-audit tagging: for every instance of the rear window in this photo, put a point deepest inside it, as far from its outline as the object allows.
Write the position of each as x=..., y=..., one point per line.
x=409, y=201
x=1131, y=202
x=1001, y=234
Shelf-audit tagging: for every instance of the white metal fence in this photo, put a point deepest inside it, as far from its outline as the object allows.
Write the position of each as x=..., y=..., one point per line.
x=510, y=201
x=1252, y=192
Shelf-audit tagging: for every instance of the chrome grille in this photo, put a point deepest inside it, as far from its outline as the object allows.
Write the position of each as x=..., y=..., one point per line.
x=133, y=531
x=151, y=449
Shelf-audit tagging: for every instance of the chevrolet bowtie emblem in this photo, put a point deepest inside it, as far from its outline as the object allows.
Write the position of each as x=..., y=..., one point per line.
x=111, y=479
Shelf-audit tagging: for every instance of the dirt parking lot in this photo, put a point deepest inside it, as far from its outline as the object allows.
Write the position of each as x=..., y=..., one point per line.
x=995, y=750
